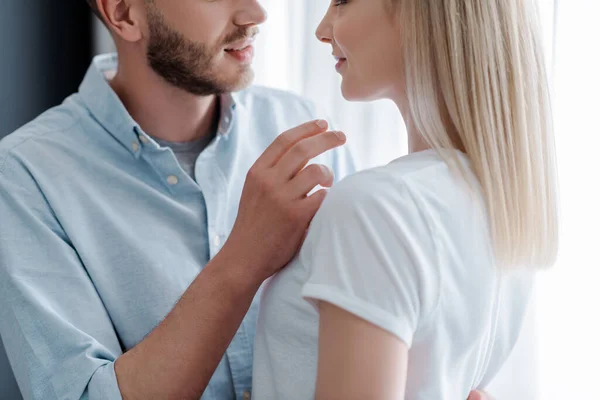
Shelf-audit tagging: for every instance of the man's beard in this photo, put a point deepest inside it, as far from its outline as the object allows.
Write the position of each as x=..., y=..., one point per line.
x=188, y=65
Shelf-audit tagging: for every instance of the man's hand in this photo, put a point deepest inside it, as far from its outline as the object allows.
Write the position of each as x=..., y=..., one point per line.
x=477, y=395
x=177, y=359
x=275, y=209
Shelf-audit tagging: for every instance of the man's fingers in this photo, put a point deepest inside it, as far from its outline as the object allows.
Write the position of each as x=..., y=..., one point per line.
x=314, y=201
x=305, y=150
x=287, y=139
x=308, y=178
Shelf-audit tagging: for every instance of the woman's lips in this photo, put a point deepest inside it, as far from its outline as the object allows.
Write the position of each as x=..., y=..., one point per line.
x=341, y=62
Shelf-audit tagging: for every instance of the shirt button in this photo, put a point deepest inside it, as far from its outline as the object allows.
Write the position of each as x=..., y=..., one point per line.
x=144, y=139
x=135, y=146
x=217, y=240
x=172, y=180
x=246, y=395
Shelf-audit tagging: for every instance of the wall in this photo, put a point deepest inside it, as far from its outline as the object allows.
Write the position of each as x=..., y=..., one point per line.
x=45, y=48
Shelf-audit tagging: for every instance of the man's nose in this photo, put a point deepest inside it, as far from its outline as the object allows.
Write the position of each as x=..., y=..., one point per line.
x=251, y=13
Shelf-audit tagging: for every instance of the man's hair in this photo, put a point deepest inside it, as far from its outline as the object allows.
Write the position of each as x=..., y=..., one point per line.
x=94, y=7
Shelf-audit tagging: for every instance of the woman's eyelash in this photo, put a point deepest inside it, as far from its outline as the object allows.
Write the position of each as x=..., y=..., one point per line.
x=337, y=3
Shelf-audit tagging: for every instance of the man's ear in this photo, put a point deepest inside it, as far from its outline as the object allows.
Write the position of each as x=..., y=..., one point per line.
x=124, y=18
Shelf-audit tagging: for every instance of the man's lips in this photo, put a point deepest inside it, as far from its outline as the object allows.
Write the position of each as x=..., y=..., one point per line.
x=240, y=45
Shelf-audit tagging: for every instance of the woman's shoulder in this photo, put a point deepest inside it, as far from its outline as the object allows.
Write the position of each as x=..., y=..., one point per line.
x=419, y=194
x=391, y=195
x=417, y=172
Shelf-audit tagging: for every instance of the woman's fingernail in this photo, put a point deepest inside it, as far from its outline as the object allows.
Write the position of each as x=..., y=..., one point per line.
x=340, y=135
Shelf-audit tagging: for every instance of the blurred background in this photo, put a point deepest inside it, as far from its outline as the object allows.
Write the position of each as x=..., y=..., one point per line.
x=46, y=46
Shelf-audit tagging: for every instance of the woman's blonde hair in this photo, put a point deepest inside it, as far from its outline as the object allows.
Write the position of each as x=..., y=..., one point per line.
x=478, y=66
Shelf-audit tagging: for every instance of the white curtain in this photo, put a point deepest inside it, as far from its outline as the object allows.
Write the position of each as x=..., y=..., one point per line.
x=558, y=354
x=290, y=57
x=568, y=316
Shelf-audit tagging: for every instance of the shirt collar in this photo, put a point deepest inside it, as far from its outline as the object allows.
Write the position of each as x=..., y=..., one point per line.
x=104, y=104
x=228, y=107
x=106, y=107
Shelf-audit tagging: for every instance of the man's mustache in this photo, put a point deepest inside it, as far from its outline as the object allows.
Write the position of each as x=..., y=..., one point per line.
x=241, y=34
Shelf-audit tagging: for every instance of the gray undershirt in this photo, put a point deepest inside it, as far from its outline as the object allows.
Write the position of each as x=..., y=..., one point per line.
x=187, y=152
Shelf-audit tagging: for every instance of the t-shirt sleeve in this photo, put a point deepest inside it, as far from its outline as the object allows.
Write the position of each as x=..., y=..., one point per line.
x=370, y=252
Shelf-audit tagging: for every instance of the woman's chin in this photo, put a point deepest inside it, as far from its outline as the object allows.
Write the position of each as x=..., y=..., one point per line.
x=350, y=93
x=355, y=94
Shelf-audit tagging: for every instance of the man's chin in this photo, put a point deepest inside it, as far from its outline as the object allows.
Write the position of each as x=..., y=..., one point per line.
x=242, y=81
x=215, y=84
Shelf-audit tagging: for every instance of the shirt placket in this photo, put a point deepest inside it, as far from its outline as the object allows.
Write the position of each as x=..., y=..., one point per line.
x=214, y=186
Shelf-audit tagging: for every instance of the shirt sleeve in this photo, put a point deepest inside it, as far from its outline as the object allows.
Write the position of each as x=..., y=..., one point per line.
x=368, y=252
x=58, y=336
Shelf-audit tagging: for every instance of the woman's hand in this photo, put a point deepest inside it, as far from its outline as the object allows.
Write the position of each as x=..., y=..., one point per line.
x=477, y=395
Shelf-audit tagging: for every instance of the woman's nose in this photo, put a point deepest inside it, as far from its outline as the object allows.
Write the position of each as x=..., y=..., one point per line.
x=324, y=31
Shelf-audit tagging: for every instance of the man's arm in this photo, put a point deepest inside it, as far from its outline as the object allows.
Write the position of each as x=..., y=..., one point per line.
x=59, y=336
x=57, y=333
x=179, y=357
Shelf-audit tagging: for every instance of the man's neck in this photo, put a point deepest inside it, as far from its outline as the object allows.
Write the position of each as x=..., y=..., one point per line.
x=162, y=110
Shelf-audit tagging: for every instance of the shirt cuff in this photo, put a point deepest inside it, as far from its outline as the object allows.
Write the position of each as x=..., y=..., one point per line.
x=103, y=385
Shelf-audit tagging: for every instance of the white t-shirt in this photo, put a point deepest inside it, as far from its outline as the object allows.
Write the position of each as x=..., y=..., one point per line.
x=407, y=248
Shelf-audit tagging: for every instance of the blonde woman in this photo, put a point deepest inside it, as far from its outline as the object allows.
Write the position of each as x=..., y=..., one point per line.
x=414, y=277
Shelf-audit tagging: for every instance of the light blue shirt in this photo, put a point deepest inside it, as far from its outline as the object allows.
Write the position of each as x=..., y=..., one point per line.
x=101, y=232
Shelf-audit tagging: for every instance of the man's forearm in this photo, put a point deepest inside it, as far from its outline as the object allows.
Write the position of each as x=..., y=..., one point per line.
x=178, y=358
